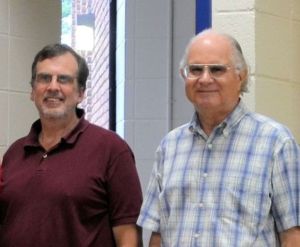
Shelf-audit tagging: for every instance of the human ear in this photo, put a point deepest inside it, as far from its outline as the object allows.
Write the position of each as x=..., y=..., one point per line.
x=243, y=75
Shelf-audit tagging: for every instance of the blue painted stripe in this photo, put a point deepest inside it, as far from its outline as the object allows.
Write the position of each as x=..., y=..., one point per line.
x=203, y=15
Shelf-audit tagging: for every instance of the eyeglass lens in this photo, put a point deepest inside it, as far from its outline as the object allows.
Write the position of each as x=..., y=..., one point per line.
x=47, y=78
x=197, y=70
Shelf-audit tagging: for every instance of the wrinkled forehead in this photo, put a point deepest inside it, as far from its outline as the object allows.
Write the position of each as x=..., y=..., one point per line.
x=64, y=62
x=210, y=49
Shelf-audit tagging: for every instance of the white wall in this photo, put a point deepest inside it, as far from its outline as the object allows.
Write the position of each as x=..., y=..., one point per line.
x=150, y=97
x=278, y=61
x=269, y=32
x=238, y=19
x=25, y=26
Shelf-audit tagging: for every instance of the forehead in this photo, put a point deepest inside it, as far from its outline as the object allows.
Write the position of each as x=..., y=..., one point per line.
x=210, y=48
x=65, y=63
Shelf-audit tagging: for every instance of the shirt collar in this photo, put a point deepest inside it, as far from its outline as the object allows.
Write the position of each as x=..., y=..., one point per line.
x=226, y=125
x=31, y=140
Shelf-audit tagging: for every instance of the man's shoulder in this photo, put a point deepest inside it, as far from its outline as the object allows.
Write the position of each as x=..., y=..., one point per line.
x=100, y=134
x=268, y=124
x=265, y=120
x=97, y=130
x=181, y=132
x=16, y=146
x=19, y=142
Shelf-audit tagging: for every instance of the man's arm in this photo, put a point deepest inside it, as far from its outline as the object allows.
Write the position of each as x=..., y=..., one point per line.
x=290, y=237
x=155, y=240
x=129, y=235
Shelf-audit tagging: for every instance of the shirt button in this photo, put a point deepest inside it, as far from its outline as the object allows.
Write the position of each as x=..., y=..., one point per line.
x=225, y=133
x=197, y=235
x=200, y=205
x=45, y=156
x=209, y=146
x=205, y=175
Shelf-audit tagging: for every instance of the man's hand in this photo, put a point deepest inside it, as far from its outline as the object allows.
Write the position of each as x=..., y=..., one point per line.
x=290, y=237
x=155, y=240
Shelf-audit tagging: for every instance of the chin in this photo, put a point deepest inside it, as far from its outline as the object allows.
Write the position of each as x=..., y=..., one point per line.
x=54, y=114
x=207, y=104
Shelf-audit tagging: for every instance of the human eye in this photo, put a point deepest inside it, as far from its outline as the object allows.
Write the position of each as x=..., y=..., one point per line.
x=196, y=69
x=217, y=69
x=65, y=79
x=43, y=78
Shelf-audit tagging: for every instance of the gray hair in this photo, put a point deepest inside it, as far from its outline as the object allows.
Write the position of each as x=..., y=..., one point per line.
x=238, y=58
x=55, y=50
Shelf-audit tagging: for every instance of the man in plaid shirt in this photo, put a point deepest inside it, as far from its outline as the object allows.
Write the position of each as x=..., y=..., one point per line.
x=230, y=177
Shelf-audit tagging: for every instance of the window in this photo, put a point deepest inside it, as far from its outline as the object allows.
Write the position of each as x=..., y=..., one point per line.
x=89, y=27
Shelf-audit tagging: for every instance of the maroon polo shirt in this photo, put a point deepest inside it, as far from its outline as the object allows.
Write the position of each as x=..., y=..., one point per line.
x=71, y=196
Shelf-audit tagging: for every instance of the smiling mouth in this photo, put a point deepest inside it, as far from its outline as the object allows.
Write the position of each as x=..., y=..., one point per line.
x=52, y=101
x=207, y=91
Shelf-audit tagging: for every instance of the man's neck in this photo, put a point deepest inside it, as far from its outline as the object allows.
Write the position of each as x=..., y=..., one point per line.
x=209, y=119
x=208, y=123
x=54, y=129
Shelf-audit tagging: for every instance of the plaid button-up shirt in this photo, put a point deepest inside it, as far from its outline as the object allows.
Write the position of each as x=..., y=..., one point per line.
x=232, y=188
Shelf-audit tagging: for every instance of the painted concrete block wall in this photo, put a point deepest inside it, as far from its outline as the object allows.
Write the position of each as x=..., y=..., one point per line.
x=278, y=61
x=269, y=32
x=25, y=26
x=183, y=30
x=142, y=52
x=151, y=36
x=237, y=17
x=150, y=40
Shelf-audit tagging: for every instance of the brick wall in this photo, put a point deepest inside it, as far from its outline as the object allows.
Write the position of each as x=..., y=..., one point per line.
x=96, y=103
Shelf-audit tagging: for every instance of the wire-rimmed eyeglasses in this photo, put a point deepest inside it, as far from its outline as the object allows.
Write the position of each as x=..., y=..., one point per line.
x=45, y=78
x=195, y=71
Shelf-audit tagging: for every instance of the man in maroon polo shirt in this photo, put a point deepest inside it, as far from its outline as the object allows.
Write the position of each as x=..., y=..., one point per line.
x=68, y=183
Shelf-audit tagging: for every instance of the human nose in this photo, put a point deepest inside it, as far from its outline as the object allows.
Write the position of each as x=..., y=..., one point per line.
x=53, y=83
x=206, y=75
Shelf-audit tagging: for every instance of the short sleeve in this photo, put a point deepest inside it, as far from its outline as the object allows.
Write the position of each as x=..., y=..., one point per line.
x=150, y=216
x=124, y=189
x=286, y=186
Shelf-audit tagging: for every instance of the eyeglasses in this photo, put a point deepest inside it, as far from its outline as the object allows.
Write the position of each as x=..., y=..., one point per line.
x=195, y=71
x=45, y=78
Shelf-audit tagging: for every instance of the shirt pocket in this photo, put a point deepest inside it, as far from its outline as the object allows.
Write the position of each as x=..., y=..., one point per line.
x=244, y=204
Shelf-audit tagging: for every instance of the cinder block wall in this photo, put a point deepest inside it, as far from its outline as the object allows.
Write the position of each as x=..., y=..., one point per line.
x=277, y=50
x=25, y=26
x=269, y=33
x=151, y=37
x=238, y=19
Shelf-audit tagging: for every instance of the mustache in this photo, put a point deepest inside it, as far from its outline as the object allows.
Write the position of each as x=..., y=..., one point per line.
x=53, y=95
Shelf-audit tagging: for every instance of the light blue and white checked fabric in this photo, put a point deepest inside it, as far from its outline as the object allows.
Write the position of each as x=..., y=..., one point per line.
x=233, y=188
